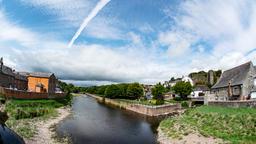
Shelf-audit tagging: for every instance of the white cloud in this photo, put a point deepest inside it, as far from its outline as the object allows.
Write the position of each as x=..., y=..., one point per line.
x=90, y=62
x=226, y=26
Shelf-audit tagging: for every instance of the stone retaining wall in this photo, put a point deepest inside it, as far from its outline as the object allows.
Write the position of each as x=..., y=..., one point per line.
x=236, y=104
x=142, y=109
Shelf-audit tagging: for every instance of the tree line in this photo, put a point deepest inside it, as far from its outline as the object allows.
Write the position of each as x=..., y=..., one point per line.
x=130, y=90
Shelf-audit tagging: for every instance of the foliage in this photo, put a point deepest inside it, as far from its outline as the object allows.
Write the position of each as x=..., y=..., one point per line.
x=135, y=91
x=101, y=90
x=236, y=125
x=184, y=104
x=183, y=88
x=123, y=88
x=113, y=91
x=158, y=91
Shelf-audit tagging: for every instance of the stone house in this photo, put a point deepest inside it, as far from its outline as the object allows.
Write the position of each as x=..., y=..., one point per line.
x=237, y=83
x=10, y=79
x=41, y=82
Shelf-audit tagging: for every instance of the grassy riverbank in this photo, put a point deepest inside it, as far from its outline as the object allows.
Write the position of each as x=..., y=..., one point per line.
x=235, y=125
x=24, y=114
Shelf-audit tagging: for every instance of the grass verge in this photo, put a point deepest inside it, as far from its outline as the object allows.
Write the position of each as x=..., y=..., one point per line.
x=24, y=114
x=236, y=125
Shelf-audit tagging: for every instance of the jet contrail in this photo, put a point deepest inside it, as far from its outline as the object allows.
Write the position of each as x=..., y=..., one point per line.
x=92, y=14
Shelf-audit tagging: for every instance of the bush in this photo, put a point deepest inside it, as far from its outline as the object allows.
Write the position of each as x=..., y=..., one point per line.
x=184, y=104
x=112, y=91
x=135, y=91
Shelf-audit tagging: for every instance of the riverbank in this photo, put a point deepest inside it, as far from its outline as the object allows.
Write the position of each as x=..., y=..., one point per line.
x=45, y=133
x=209, y=124
x=148, y=110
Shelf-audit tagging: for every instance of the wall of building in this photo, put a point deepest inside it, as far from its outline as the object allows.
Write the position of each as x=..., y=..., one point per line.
x=33, y=81
x=6, y=80
x=52, y=84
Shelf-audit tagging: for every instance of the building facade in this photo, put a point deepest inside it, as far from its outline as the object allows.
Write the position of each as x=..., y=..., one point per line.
x=41, y=82
x=10, y=79
x=236, y=83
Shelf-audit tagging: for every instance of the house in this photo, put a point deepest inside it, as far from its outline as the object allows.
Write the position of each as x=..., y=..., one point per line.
x=41, y=82
x=237, y=83
x=199, y=90
x=10, y=79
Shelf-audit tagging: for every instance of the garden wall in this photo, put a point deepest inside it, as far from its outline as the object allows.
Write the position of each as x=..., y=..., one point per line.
x=236, y=104
x=9, y=93
x=142, y=109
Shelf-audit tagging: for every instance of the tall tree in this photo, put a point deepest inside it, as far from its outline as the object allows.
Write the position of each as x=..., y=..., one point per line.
x=135, y=91
x=183, y=89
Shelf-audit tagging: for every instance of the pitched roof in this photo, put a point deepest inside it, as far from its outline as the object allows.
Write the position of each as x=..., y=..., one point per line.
x=236, y=76
x=37, y=74
x=7, y=70
x=20, y=77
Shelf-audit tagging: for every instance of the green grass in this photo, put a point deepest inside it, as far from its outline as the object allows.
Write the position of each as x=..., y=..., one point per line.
x=23, y=114
x=236, y=125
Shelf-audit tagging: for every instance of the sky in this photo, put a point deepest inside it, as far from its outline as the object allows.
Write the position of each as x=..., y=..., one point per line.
x=95, y=42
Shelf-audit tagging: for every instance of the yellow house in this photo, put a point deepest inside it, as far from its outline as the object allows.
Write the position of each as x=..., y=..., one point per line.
x=41, y=82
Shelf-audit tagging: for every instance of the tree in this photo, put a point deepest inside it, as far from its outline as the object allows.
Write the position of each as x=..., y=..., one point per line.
x=183, y=89
x=123, y=88
x=101, y=90
x=112, y=91
x=135, y=91
x=158, y=92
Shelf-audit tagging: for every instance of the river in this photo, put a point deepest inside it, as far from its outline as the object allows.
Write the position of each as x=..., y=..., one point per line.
x=96, y=123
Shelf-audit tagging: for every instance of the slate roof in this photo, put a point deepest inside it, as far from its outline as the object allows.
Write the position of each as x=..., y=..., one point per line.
x=236, y=75
x=20, y=77
x=7, y=70
x=37, y=74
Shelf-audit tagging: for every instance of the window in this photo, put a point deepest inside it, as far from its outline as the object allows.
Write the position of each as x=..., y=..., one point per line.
x=254, y=81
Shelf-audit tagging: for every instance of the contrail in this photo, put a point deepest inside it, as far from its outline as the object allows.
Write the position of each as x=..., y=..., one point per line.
x=92, y=14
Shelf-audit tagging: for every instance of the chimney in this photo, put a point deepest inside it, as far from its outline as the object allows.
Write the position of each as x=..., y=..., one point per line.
x=1, y=63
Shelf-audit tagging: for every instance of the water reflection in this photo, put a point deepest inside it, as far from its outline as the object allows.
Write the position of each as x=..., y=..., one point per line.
x=96, y=123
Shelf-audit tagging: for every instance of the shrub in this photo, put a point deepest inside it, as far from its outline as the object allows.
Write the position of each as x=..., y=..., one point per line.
x=184, y=104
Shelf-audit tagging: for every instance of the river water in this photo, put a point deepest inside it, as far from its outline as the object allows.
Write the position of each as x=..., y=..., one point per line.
x=96, y=123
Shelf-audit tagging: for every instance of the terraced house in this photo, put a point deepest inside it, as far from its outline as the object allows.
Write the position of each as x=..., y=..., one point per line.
x=238, y=83
x=11, y=79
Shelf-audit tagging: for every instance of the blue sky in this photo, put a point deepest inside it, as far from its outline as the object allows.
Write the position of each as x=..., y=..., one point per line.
x=128, y=40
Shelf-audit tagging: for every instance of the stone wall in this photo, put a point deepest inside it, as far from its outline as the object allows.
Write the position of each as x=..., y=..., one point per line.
x=142, y=109
x=235, y=104
x=9, y=94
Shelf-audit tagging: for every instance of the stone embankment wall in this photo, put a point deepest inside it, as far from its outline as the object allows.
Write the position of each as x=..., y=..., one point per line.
x=9, y=93
x=142, y=109
x=236, y=104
